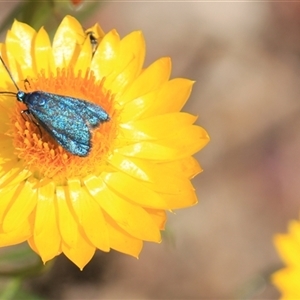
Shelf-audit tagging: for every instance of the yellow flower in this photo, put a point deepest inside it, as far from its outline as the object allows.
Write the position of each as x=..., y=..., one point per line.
x=287, y=280
x=140, y=163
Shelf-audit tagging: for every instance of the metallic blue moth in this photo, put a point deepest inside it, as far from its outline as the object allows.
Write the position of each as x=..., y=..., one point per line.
x=68, y=120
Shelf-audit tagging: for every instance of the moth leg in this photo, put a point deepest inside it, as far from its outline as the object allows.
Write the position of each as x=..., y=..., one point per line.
x=31, y=119
x=26, y=82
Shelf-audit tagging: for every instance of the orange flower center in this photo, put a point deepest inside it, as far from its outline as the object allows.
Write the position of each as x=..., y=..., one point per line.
x=40, y=151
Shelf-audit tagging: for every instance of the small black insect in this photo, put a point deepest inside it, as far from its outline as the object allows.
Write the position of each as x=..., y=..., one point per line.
x=68, y=120
x=93, y=41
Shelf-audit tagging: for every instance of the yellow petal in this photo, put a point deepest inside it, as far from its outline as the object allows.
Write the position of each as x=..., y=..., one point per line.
x=170, y=98
x=118, y=82
x=169, y=183
x=43, y=56
x=287, y=281
x=84, y=58
x=184, y=199
x=105, y=58
x=188, y=167
x=132, y=47
x=188, y=140
x=4, y=128
x=6, y=104
x=14, y=64
x=17, y=236
x=24, y=201
x=137, y=108
x=15, y=175
x=121, y=241
x=18, y=46
x=158, y=216
x=32, y=245
x=134, y=190
x=174, y=95
x=24, y=33
x=80, y=253
x=157, y=177
x=174, y=188
x=6, y=83
x=132, y=218
x=89, y=215
x=7, y=167
x=6, y=148
x=66, y=41
x=46, y=235
x=150, y=150
x=156, y=127
x=288, y=249
x=7, y=197
x=150, y=79
x=129, y=62
x=68, y=227
x=133, y=167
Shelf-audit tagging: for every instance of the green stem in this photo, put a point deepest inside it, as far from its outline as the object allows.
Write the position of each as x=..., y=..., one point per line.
x=11, y=289
x=27, y=271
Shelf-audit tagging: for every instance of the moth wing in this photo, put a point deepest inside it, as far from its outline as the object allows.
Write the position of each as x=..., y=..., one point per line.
x=93, y=114
x=72, y=145
x=96, y=115
x=63, y=121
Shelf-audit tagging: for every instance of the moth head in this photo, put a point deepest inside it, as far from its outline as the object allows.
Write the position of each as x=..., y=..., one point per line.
x=21, y=96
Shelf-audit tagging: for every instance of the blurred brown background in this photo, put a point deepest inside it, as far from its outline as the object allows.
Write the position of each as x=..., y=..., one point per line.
x=245, y=58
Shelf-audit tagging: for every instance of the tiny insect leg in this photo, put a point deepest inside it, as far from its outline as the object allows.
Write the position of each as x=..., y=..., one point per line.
x=28, y=114
x=26, y=82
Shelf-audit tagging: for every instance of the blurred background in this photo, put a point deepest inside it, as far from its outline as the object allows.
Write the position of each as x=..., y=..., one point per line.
x=245, y=59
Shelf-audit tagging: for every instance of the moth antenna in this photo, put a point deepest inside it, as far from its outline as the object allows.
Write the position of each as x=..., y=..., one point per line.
x=8, y=93
x=11, y=77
